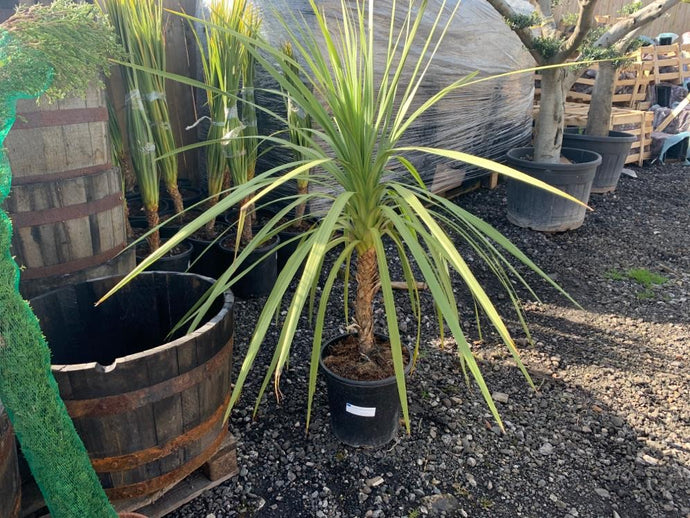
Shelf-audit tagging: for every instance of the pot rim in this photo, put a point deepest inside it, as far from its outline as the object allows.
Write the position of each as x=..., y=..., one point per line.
x=362, y=383
x=613, y=136
x=514, y=155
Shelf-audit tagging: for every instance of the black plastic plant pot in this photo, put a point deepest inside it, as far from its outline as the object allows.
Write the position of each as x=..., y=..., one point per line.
x=663, y=95
x=613, y=149
x=178, y=262
x=136, y=209
x=207, y=257
x=259, y=281
x=291, y=237
x=363, y=413
x=536, y=209
x=190, y=195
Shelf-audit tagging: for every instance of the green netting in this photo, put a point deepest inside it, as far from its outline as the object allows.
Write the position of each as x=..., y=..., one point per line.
x=28, y=390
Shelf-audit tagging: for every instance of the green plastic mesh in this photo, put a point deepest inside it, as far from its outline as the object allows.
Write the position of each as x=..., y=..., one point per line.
x=54, y=451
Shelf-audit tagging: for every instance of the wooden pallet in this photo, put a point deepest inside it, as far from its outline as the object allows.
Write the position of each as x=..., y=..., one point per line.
x=673, y=59
x=630, y=90
x=219, y=468
x=636, y=122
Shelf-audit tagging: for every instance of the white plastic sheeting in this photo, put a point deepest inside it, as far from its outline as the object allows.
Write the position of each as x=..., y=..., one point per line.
x=485, y=119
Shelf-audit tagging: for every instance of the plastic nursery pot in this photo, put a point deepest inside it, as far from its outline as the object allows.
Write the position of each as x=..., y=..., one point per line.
x=363, y=413
x=178, y=262
x=663, y=95
x=207, y=257
x=258, y=281
x=136, y=209
x=536, y=209
x=613, y=149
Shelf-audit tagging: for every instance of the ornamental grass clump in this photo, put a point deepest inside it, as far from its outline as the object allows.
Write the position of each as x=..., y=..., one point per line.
x=222, y=65
x=362, y=99
x=299, y=122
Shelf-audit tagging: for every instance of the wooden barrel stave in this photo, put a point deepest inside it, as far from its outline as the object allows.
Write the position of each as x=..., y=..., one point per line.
x=150, y=416
x=66, y=200
x=10, y=485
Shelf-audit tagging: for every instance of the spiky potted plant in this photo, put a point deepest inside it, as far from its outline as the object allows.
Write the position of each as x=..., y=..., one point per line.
x=243, y=148
x=360, y=112
x=298, y=122
x=137, y=25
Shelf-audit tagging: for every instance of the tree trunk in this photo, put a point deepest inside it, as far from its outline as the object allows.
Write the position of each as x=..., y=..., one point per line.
x=548, y=133
x=599, y=115
x=176, y=197
x=152, y=220
x=302, y=189
x=367, y=278
x=211, y=224
x=247, y=233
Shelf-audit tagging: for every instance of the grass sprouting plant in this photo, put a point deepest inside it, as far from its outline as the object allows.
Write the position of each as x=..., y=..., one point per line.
x=362, y=99
x=222, y=65
x=139, y=128
x=299, y=122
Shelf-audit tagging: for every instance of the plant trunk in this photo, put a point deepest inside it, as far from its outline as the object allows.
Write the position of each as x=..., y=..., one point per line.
x=548, y=134
x=599, y=115
x=128, y=225
x=367, y=278
x=247, y=227
x=208, y=228
x=176, y=197
x=302, y=189
x=152, y=220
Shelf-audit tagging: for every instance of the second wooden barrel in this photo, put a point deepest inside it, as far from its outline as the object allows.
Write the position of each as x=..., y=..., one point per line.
x=10, y=483
x=149, y=408
x=66, y=202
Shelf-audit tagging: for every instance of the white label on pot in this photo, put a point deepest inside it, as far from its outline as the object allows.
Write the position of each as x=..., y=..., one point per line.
x=360, y=410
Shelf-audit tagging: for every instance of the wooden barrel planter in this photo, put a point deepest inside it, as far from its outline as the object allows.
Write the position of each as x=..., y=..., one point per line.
x=149, y=408
x=10, y=483
x=66, y=202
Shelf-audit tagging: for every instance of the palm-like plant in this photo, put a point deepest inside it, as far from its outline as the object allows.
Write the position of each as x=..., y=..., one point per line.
x=245, y=148
x=298, y=123
x=138, y=125
x=222, y=65
x=359, y=119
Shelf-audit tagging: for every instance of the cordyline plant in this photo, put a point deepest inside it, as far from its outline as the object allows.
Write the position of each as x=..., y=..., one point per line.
x=359, y=113
x=222, y=64
x=551, y=47
x=299, y=123
x=142, y=146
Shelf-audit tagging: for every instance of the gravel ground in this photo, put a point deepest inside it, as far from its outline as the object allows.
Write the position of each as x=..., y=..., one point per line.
x=607, y=433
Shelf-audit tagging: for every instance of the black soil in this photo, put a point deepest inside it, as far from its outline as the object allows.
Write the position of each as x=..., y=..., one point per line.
x=606, y=433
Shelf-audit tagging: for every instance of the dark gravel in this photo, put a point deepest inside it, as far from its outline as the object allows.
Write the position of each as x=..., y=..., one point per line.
x=607, y=433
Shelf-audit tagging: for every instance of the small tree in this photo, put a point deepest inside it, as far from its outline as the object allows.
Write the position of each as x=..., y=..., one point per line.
x=554, y=47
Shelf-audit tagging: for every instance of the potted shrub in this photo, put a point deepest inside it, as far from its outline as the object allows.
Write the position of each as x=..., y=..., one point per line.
x=243, y=146
x=552, y=48
x=613, y=146
x=298, y=122
x=57, y=48
x=374, y=217
x=139, y=29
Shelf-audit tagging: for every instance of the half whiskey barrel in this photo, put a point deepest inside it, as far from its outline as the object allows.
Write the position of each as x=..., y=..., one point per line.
x=66, y=203
x=10, y=482
x=148, y=407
